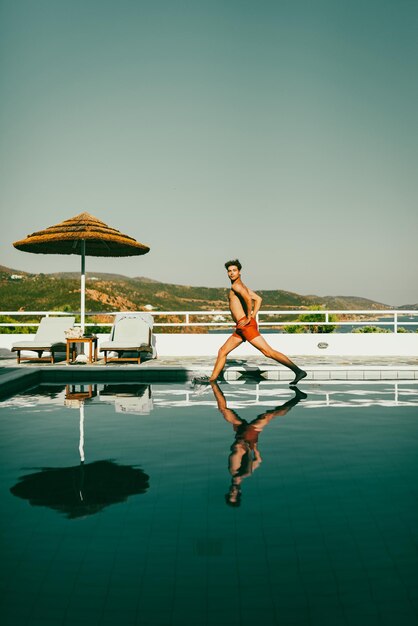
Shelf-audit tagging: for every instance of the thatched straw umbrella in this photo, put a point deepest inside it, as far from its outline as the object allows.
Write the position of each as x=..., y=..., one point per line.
x=83, y=235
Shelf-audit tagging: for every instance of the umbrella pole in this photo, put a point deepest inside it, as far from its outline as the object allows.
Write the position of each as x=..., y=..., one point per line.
x=81, y=442
x=83, y=284
x=81, y=358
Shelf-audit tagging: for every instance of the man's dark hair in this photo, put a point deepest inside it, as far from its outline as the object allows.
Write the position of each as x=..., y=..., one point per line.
x=233, y=262
x=234, y=503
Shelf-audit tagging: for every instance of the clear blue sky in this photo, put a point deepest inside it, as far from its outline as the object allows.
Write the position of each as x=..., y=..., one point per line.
x=281, y=132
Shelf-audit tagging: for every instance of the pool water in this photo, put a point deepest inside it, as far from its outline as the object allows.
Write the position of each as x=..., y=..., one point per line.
x=242, y=505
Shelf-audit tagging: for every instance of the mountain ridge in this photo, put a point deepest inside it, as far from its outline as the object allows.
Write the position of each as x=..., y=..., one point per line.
x=61, y=291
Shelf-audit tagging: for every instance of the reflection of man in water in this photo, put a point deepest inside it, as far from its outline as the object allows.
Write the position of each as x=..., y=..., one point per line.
x=245, y=456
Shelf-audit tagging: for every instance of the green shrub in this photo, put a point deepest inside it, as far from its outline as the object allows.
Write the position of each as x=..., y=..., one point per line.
x=371, y=329
x=12, y=330
x=294, y=329
x=96, y=330
x=314, y=328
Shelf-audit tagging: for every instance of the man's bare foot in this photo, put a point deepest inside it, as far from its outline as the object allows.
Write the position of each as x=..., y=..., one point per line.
x=201, y=380
x=299, y=375
x=300, y=395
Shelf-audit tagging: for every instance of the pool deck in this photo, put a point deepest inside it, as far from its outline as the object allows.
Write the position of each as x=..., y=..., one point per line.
x=14, y=378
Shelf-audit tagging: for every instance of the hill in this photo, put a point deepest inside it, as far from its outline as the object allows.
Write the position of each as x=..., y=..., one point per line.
x=113, y=292
x=409, y=307
x=6, y=272
x=100, y=276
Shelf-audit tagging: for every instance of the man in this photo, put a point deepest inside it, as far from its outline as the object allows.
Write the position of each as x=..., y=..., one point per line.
x=244, y=305
x=245, y=457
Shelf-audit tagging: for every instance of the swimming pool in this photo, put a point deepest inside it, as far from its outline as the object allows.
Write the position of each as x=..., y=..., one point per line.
x=241, y=505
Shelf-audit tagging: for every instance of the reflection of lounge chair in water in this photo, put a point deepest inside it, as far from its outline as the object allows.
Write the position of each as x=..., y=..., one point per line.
x=135, y=399
x=245, y=457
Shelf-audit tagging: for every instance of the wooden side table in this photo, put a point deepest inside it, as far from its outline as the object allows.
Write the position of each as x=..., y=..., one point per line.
x=72, y=348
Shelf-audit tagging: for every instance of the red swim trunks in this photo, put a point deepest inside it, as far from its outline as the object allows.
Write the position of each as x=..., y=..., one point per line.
x=248, y=332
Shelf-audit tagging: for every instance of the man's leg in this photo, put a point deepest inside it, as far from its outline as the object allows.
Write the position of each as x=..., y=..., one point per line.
x=231, y=343
x=263, y=419
x=261, y=344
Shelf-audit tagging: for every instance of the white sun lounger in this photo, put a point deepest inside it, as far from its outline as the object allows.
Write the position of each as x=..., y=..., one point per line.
x=131, y=332
x=50, y=337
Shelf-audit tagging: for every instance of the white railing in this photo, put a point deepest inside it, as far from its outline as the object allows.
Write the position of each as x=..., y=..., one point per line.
x=223, y=318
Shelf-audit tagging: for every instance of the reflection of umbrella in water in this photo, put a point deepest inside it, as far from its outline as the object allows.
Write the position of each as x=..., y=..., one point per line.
x=76, y=396
x=83, y=235
x=83, y=489
x=74, y=399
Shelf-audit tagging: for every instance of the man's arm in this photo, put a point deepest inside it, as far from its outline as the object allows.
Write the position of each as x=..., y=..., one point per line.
x=257, y=302
x=228, y=414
